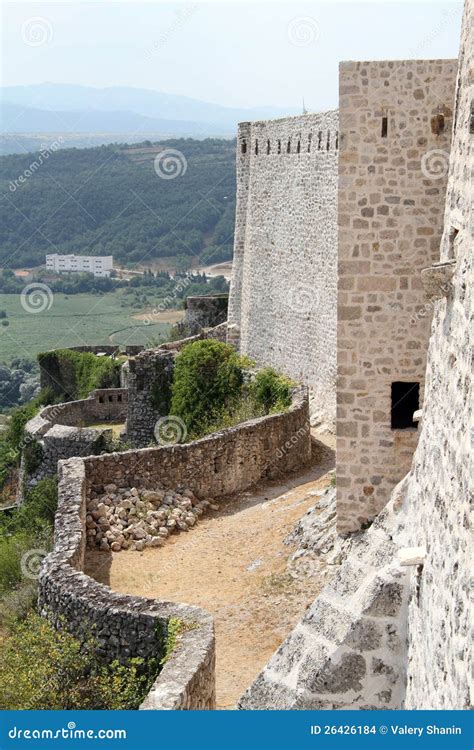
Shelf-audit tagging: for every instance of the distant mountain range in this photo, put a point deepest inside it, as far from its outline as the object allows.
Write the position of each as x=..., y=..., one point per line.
x=71, y=109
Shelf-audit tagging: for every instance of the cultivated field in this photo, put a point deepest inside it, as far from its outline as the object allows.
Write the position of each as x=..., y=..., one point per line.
x=77, y=320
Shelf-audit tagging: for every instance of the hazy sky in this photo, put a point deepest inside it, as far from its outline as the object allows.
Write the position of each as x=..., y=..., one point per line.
x=238, y=54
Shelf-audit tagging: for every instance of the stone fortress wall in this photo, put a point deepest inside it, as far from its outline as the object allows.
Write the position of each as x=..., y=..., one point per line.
x=148, y=377
x=395, y=122
x=440, y=483
x=282, y=305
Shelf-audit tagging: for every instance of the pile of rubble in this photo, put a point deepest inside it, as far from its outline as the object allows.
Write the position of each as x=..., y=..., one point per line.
x=121, y=518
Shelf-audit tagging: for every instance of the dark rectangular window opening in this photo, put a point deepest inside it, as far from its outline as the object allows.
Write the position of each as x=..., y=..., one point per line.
x=405, y=401
x=119, y=398
x=384, y=127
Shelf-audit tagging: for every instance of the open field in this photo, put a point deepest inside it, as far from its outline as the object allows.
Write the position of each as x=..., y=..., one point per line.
x=77, y=320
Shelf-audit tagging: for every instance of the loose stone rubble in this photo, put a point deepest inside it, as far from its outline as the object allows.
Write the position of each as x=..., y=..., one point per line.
x=123, y=518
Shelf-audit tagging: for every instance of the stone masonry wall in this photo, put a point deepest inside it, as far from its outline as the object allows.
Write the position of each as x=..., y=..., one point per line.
x=440, y=485
x=123, y=626
x=205, y=311
x=221, y=463
x=60, y=431
x=282, y=305
x=395, y=122
x=149, y=377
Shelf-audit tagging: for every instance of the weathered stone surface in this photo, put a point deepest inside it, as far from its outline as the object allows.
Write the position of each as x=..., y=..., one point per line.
x=436, y=280
x=282, y=306
x=391, y=207
x=121, y=625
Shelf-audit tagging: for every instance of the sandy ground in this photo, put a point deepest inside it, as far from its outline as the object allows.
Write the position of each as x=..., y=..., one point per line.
x=235, y=565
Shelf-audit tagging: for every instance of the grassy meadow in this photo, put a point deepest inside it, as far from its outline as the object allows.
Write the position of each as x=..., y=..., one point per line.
x=79, y=319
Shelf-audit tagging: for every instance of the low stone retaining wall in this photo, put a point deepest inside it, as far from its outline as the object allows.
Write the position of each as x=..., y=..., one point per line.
x=123, y=626
x=225, y=462
x=59, y=431
x=219, y=464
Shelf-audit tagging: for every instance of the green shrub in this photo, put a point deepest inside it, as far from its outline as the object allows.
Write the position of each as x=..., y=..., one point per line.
x=74, y=375
x=271, y=390
x=12, y=549
x=208, y=377
x=44, y=668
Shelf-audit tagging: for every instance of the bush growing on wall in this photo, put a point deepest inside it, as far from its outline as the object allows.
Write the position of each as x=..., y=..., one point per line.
x=73, y=375
x=271, y=390
x=208, y=377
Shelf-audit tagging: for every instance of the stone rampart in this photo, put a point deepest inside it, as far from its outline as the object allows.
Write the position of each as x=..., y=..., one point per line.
x=60, y=431
x=223, y=463
x=282, y=305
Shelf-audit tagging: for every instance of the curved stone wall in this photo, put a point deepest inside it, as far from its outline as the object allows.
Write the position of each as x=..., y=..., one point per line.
x=59, y=431
x=123, y=626
x=222, y=463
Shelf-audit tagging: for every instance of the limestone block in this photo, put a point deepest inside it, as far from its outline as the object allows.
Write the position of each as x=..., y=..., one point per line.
x=436, y=280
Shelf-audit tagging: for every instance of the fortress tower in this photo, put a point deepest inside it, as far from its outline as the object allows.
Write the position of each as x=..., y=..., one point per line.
x=396, y=121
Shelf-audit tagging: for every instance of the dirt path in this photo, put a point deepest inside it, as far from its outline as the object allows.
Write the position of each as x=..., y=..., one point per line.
x=235, y=565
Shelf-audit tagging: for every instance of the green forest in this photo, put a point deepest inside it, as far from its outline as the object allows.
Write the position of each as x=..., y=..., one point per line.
x=101, y=200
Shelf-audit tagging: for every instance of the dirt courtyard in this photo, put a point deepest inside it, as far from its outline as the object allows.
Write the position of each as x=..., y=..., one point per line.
x=234, y=564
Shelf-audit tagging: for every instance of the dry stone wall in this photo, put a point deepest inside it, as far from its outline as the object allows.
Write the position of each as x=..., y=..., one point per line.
x=221, y=463
x=205, y=311
x=395, y=121
x=282, y=305
x=123, y=626
x=149, y=378
x=60, y=431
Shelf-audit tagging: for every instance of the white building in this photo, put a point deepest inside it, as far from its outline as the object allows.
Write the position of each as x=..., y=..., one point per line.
x=98, y=265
